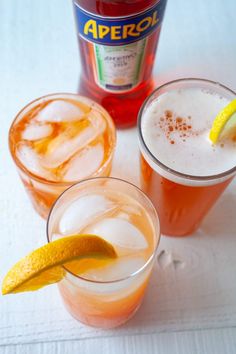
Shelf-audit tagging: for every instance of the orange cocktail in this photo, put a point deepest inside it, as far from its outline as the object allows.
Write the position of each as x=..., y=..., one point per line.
x=105, y=293
x=182, y=172
x=58, y=140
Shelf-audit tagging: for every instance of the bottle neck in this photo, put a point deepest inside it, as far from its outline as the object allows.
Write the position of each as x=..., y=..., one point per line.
x=115, y=8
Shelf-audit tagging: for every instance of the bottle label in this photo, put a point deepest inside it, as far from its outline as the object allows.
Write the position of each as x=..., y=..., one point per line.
x=118, y=67
x=119, y=45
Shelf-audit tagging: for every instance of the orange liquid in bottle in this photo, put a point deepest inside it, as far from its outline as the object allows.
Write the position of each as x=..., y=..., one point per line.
x=129, y=80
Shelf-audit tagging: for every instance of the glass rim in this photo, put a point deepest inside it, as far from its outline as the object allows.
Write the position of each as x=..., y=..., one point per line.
x=154, y=158
x=150, y=258
x=34, y=176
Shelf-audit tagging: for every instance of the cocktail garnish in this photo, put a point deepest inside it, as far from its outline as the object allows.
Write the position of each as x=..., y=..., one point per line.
x=224, y=125
x=43, y=266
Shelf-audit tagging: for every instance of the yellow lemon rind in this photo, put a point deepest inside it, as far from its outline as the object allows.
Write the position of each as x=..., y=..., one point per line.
x=43, y=266
x=220, y=121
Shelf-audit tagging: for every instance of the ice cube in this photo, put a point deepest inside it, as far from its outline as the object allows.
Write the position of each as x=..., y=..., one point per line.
x=32, y=162
x=86, y=163
x=62, y=148
x=81, y=211
x=119, y=232
x=117, y=269
x=60, y=111
x=35, y=132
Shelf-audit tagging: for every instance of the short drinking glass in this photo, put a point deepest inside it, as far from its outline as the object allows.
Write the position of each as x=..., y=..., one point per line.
x=58, y=140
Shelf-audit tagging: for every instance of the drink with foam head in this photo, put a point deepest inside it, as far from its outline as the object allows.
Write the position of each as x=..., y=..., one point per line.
x=181, y=171
x=107, y=293
x=58, y=140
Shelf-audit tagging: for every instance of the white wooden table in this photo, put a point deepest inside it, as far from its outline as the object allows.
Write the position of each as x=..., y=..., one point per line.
x=188, y=309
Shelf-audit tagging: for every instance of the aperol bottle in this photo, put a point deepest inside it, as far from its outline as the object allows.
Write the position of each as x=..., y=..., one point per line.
x=117, y=42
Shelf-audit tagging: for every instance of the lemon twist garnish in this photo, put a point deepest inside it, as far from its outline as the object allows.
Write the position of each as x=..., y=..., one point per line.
x=225, y=120
x=44, y=265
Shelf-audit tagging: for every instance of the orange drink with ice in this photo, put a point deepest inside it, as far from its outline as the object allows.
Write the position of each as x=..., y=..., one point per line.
x=106, y=293
x=58, y=140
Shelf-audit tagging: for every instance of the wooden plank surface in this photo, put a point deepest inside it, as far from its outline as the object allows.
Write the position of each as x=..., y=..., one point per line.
x=203, y=342
x=190, y=308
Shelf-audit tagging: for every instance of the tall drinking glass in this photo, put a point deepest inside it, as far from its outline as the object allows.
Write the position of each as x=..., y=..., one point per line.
x=102, y=293
x=182, y=172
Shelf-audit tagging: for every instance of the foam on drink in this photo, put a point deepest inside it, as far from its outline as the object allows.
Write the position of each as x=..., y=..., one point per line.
x=175, y=128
